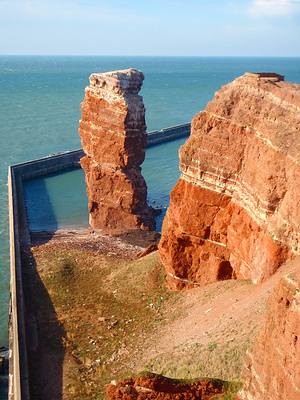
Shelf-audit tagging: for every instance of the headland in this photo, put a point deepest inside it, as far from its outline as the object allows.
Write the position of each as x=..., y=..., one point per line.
x=89, y=309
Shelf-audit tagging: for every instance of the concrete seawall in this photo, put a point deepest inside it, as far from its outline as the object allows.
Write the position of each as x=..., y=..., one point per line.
x=18, y=367
x=71, y=159
x=20, y=238
x=168, y=134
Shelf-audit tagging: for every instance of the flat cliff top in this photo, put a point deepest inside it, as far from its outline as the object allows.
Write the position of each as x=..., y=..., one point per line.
x=120, y=81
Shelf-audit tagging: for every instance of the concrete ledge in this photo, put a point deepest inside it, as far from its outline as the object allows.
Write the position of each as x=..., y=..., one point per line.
x=71, y=159
x=168, y=134
x=18, y=367
x=49, y=165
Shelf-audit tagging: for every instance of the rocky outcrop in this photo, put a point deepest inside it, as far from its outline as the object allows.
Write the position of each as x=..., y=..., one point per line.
x=234, y=213
x=272, y=370
x=161, y=388
x=113, y=136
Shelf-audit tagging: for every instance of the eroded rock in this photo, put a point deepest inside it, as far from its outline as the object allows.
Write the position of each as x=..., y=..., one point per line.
x=234, y=213
x=161, y=388
x=113, y=136
x=272, y=370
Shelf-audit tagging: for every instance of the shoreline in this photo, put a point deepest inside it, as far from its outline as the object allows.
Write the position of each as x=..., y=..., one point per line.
x=129, y=245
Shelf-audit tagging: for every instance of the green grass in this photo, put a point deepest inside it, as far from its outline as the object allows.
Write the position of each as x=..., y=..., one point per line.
x=108, y=307
x=221, y=360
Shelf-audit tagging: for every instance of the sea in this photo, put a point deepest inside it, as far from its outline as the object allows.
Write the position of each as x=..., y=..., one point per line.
x=39, y=112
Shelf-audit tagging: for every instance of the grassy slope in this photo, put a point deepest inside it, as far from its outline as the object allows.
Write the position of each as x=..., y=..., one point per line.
x=113, y=313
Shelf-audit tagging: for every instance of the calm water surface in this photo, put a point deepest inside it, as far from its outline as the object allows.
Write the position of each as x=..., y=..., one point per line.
x=39, y=113
x=59, y=200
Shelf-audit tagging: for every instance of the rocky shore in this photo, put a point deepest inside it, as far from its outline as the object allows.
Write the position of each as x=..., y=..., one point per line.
x=129, y=245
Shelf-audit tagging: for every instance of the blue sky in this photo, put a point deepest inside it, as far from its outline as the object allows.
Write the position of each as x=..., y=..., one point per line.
x=151, y=27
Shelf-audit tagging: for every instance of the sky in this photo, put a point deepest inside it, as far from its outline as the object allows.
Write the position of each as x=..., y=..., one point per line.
x=150, y=27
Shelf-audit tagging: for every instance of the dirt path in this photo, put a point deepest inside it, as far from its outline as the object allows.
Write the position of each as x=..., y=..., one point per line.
x=221, y=319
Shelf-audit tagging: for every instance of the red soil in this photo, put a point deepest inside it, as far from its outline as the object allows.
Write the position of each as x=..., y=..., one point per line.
x=162, y=388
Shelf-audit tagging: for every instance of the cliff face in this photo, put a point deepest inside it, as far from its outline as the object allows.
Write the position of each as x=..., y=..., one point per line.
x=272, y=370
x=113, y=136
x=234, y=213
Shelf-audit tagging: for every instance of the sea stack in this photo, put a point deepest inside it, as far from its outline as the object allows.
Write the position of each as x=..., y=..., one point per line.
x=234, y=213
x=113, y=137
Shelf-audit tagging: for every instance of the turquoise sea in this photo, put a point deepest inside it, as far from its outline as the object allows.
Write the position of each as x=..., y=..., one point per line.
x=39, y=113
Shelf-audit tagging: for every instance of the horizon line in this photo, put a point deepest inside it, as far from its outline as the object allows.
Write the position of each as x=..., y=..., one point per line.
x=145, y=55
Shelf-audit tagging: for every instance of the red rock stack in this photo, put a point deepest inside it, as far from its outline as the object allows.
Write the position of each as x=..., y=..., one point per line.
x=234, y=213
x=113, y=136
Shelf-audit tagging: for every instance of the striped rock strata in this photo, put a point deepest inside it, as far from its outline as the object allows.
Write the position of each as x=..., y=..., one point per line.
x=113, y=136
x=234, y=213
x=272, y=370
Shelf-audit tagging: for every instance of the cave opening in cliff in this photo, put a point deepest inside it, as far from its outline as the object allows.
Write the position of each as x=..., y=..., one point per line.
x=225, y=271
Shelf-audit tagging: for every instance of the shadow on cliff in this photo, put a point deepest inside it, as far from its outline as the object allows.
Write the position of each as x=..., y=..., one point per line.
x=45, y=335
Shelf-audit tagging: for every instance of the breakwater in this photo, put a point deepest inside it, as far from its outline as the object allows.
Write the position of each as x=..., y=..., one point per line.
x=167, y=134
x=19, y=332
x=70, y=159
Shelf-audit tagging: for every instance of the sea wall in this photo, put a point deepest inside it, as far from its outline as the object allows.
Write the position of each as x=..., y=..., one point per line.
x=48, y=165
x=71, y=159
x=19, y=237
x=168, y=134
x=18, y=366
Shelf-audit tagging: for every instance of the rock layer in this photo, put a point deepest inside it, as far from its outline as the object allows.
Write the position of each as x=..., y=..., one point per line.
x=161, y=388
x=234, y=211
x=113, y=136
x=272, y=370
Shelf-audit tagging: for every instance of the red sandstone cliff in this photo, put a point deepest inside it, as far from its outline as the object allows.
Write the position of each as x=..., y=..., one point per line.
x=234, y=213
x=272, y=370
x=113, y=136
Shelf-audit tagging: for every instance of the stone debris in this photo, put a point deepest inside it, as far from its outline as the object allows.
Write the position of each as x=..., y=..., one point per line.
x=152, y=386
